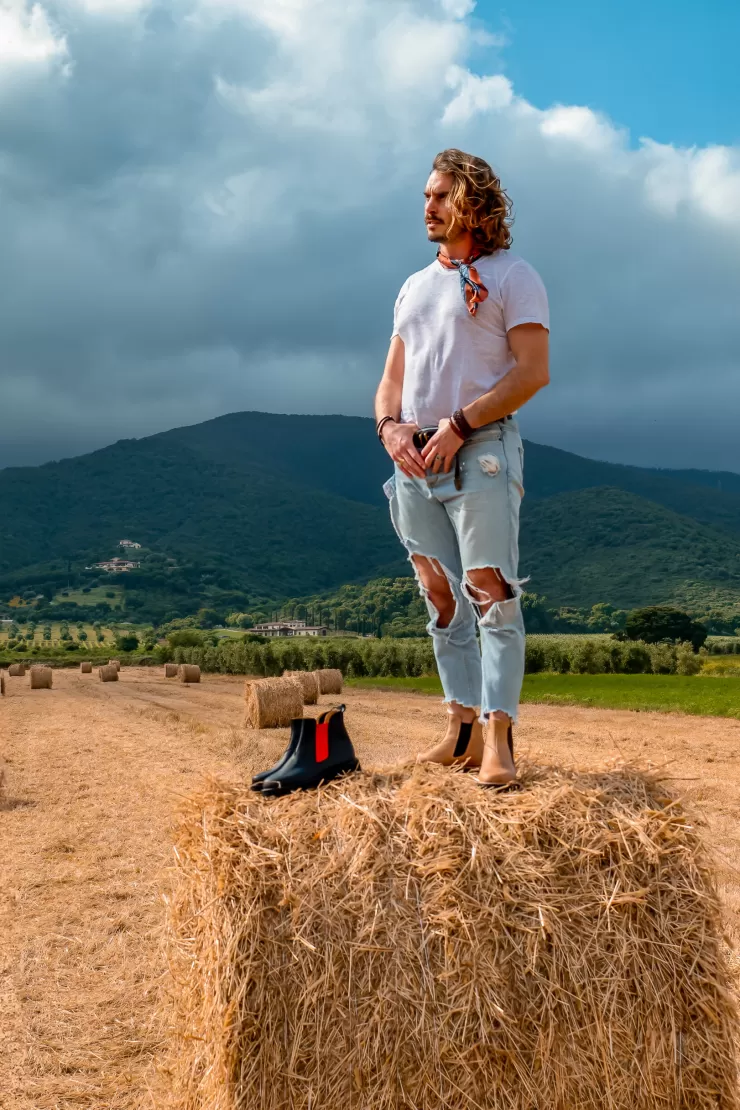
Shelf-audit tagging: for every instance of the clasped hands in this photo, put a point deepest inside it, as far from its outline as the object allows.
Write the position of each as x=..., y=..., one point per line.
x=438, y=455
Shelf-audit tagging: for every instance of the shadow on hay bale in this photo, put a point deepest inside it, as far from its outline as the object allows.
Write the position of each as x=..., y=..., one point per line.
x=404, y=940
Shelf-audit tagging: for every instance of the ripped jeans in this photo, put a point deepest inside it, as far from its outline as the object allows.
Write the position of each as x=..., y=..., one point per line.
x=461, y=531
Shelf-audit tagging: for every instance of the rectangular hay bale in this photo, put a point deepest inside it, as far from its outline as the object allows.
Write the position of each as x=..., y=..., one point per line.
x=407, y=940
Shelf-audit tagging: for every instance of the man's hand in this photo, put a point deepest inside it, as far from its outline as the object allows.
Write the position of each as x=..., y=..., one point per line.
x=440, y=452
x=398, y=440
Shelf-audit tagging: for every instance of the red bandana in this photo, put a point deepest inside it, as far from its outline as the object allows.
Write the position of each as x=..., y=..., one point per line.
x=471, y=286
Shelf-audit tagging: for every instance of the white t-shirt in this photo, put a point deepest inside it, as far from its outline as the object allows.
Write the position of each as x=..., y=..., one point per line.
x=451, y=357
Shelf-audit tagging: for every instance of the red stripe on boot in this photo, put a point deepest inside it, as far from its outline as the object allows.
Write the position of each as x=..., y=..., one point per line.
x=322, y=742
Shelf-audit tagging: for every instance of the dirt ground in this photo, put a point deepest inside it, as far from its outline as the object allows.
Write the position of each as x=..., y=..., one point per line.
x=92, y=774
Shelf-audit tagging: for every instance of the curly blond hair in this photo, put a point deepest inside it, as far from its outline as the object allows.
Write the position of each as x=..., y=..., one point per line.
x=477, y=200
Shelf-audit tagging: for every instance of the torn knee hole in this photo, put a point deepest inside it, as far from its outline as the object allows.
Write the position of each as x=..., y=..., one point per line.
x=422, y=562
x=438, y=591
x=481, y=596
x=494, y=611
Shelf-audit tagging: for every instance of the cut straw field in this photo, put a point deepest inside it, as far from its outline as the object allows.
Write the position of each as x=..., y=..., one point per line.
x=93, y=773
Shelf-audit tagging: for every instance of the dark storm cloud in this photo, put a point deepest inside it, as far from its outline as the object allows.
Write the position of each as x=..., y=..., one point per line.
x=210, y=207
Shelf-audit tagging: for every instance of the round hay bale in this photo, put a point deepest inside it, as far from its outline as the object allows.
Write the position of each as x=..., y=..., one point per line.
x=273, y=702
x=2, y=685
x=114, y=663
x=41, y=677
x=170, y=670
x=188, y=672
x=330, y=681
x=16, y=670
x=86, y=667
x=415, y=941
x=108, y=673
x=309, y=684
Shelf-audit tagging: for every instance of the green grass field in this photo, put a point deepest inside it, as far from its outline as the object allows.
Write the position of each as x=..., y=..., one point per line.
x=699, y=695
x=96, y=595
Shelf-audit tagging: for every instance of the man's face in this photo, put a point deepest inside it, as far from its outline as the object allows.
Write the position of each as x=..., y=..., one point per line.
x=436, y=212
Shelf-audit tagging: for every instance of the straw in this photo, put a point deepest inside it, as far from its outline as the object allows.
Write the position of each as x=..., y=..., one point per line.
x=407, y=940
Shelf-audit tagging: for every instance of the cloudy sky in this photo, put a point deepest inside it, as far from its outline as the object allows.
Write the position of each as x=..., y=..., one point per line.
x=210, y=205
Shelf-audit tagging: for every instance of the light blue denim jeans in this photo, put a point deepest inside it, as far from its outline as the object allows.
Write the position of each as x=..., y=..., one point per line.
x=463, y=530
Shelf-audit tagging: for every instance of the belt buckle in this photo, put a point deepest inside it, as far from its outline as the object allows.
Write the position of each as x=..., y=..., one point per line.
x=421, y=438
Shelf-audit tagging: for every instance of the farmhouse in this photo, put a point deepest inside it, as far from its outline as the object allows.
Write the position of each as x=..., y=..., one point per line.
x=290, y=628
x=128, y=544
x=115, y=566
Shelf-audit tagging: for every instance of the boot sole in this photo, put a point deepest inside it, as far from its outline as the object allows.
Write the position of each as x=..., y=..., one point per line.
x=274, y=788
x=500, y=787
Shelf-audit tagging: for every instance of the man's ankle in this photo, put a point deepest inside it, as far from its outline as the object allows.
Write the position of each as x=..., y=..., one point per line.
x=462, y=712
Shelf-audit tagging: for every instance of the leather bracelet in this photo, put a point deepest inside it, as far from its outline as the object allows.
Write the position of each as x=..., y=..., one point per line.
x=461, y=425
x=381, y=424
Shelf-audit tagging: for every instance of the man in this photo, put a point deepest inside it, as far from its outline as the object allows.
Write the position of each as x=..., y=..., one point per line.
x=469, y=348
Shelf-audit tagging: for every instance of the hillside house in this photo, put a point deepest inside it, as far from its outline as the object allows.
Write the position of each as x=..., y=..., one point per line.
x=115, y=566
x=290, y=628
x=128, y=544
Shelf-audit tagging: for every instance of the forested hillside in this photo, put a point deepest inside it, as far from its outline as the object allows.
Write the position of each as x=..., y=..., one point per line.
x=252, y=508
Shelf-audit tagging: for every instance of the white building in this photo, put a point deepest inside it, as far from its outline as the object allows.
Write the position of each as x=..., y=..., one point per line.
x=128, y=543
x=289, y=628
x=115, y=566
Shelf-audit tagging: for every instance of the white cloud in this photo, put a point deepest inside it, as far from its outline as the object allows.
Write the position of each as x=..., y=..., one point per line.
x=26, y=36
x=226, y=194
x=458, y=9
x=116, y=9
x=581, y=126
x=475, y=94
x=706, y=179
x=413, y=52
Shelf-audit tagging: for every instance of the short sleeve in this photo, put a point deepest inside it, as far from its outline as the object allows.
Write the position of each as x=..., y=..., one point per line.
x=397, y=309
x=524, y=297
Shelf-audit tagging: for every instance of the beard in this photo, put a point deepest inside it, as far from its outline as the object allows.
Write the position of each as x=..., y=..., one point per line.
x=437, y=232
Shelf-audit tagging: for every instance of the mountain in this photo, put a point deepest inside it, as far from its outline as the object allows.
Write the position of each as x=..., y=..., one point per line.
x=263, y=505
x=257, y=530
x=611, y=545
x=341, y=454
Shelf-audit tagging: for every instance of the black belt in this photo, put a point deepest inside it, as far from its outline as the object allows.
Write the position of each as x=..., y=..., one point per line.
x=423, y=435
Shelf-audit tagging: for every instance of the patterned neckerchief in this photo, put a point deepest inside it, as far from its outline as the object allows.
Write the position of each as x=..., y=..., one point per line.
x=471, y=286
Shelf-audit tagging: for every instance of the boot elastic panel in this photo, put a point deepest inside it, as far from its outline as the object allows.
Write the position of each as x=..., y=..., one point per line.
x=463, y=739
